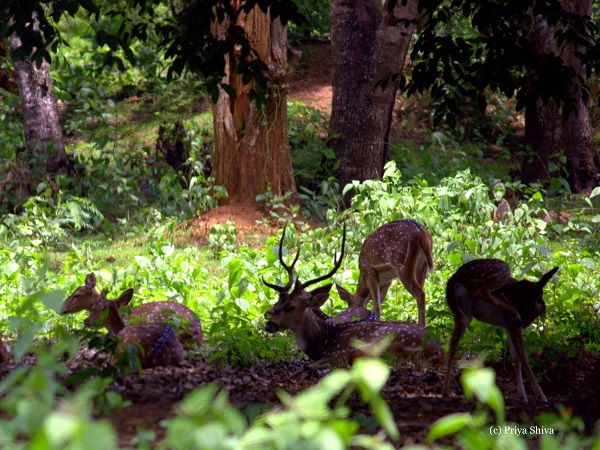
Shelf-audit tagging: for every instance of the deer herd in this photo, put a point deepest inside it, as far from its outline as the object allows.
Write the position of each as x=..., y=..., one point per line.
x=402, y=249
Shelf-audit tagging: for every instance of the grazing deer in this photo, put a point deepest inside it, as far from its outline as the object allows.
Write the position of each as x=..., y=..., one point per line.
x=483, y=289
x=399, y=249
x=326, y=340
x=157, y=341
x=187, y=323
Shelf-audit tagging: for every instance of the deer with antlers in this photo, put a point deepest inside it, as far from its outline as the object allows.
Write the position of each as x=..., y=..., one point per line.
x=328, y=340
x=399, y=249
x=156, y=343
x=483, y=289
x=189, y=328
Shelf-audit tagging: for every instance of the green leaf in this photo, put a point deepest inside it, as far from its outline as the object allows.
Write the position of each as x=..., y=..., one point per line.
x=448, y=425
x=242, y=304
x=372, y=373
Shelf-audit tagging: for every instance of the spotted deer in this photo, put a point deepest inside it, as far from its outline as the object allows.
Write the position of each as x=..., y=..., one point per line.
x=327, y=340
x=156, y=343
x=399, y=249
x=483, y=289
x=349, y=315
x=185, y=320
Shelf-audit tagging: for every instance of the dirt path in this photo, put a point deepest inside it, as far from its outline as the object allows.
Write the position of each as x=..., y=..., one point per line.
x=312, y=83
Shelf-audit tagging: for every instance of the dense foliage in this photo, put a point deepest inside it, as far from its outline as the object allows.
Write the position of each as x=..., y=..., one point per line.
x=457, y=61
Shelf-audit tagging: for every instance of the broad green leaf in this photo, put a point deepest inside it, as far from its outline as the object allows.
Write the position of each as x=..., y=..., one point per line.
x=448, y=425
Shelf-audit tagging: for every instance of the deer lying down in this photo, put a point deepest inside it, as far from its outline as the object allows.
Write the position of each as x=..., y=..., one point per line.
x=325, y=340
x=189, y=327
x=155, y=343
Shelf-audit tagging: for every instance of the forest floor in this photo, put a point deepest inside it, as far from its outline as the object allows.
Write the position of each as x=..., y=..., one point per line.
x=412, y=392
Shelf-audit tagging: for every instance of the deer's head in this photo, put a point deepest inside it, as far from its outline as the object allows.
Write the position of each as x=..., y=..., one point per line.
x=294, y=299
x=527, y=297
x=84, y=297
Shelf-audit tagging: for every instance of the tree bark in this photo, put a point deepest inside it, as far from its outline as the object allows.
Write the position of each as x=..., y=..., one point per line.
x=369, y=43
x=547, y=131
x=251, y=143
x=43, y=136
x=542, y=119
x=577, y=134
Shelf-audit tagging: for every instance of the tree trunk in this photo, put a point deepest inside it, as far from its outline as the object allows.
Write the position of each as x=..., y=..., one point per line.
x=368, y=44
x=577, y=133
x=547, y=132
x=43, y=136
x=251, y=144
x=542, y=136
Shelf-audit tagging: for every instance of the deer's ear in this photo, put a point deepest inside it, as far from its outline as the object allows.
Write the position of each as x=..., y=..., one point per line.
x=124, y=298
x=546, y=277
x=319, y=296
x=90, y=280
x=344, y=294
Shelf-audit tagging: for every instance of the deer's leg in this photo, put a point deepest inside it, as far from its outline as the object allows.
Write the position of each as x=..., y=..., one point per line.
x=375, y=293
x=517, y=365
x=515, y=335
x=461, y=323
x=414, y=285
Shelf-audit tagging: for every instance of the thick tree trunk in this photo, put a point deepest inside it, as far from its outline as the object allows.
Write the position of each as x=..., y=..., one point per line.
x=251, y=144
x=547, y=132
x=577, y=134
x=43, y=135
x=542, y=136
x=361, y=114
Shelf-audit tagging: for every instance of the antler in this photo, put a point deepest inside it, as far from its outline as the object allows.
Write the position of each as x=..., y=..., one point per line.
x=288, y=269
x=337, y=263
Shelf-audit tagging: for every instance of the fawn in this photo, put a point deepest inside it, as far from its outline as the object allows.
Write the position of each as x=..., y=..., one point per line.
x=483, y=289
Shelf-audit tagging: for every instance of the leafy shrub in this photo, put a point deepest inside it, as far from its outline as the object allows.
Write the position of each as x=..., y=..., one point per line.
x=49, y=220
x=315, y=418
x=222, y=238
x=479, y=431
x=312, y=160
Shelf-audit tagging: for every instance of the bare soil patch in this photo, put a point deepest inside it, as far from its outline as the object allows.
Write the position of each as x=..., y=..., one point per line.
x=312, y=83
x=251, y=221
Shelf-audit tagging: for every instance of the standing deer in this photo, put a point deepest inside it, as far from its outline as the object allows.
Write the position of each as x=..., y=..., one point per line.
x=399, y=249
x=483, y=289
x=157, y=342
x=187, y=323
x=326, y=340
